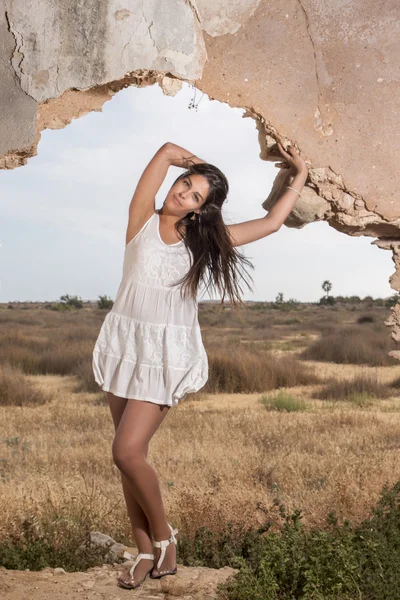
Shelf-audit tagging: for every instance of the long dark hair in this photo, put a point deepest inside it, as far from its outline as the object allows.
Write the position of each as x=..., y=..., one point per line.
x=208, y=238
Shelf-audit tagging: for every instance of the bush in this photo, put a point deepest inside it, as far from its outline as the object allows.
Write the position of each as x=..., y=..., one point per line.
x=327, y=300
x=60, y=306
x=353, y=345
x=16, y=390
x=379, y=548
x=366, y=319
x=34, y=547
x=249, y=370
x=392, y=300
x=340, y=562
x=73, y=301
x=57, y=532
x=282, y=401
x=104, y=302
x=360, y=390
x=86, y=381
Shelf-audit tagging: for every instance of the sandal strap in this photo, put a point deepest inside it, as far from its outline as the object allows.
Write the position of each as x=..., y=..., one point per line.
x=139, y=558
x=163, y=544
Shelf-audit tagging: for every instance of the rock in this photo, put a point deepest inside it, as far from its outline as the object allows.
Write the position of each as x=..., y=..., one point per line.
x=170, y=85
x=88, y=585
x=103, y=540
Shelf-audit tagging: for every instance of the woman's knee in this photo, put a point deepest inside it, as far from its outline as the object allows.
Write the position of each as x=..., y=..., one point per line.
x=128, y=456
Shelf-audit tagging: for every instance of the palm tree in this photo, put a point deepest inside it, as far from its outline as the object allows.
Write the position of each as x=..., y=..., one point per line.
x=327, y=286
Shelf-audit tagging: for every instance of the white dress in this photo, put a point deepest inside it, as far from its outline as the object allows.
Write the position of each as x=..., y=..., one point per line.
x=150, y=345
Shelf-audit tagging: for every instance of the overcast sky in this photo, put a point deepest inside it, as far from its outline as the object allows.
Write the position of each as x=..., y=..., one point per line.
x=64, y=214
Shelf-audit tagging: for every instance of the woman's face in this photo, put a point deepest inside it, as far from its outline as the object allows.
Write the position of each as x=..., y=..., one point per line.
x=188, y=194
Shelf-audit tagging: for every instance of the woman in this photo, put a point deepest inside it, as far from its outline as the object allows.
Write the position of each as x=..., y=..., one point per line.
x=149, y=353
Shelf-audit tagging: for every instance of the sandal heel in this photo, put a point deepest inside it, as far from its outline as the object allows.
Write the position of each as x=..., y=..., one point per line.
x=163, y=544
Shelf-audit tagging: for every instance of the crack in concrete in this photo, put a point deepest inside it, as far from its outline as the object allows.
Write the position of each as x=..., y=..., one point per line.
x=17, y=50
x=320, y=96
x=57, y=76
x=194, y=9
x=149, y=27
x=130, y=39
x=18, y=46
x=151, y=37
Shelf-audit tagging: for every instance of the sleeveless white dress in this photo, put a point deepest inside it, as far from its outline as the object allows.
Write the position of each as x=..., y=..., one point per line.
x=150, y=345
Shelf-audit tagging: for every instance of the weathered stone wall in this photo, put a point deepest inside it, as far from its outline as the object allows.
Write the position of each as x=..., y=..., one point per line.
x=325, y=75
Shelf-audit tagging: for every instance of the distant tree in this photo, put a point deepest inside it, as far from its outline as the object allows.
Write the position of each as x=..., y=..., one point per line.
x=104, y=302
x=293, y=302
x=279, y=298
x=327, y=300
x=327, y=286
x=392, y=300
x=73, y=301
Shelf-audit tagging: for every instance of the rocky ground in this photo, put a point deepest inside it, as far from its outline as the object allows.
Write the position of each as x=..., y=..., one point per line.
x=190, y=583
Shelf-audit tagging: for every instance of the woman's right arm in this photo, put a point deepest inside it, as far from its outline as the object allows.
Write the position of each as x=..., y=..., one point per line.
x=152, y=178
x=142, y=204
x=179, y=157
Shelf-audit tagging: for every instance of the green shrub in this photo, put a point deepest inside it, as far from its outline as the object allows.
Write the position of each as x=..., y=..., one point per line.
x=283, y=401
x=281, y=560
x=327, y=301
x=74, y=301
x=34, y=549
x=392, y=300
x=362, y=399
x=378, y=548
x=60, y=535
x=104, y=302
x=339, y=562
x=60, y=306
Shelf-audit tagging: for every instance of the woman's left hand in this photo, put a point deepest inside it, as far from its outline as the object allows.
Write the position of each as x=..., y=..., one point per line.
x=292, y=159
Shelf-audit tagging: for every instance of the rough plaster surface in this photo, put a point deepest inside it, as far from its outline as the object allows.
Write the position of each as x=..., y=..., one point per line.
x=82, y=43
x=323, y=75
x=221, y=17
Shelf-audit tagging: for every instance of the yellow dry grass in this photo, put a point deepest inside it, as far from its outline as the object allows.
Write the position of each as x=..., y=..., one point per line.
x=220, y=458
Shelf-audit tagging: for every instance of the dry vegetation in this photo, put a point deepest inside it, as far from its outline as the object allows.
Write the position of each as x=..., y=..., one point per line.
x=318, y=433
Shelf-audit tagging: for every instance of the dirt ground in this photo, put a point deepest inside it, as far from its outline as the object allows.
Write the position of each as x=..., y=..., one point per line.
x=189, y=583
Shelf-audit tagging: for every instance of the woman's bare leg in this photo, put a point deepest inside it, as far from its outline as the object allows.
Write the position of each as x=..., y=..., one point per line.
x=136, y=421
x=139, y=523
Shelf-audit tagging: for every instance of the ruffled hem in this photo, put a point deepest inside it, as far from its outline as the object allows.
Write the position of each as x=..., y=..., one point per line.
x=149, y=343
x=161, y=385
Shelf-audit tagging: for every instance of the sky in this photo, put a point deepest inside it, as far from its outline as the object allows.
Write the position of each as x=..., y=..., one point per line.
x=63, y=215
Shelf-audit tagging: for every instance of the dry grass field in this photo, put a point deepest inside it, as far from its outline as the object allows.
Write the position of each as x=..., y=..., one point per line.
x=302, y=407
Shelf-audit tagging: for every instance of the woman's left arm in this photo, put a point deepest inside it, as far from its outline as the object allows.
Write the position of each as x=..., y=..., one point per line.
x=250, y=231
x=282, y=208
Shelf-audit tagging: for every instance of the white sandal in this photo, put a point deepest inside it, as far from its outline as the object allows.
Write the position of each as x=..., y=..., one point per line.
x=132, y=586
x=163, y=544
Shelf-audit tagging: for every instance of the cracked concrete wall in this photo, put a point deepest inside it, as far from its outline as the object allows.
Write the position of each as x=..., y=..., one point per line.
x=324, y=75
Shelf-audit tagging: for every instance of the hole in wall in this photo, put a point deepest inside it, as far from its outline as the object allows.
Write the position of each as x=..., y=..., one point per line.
x=64, y=214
